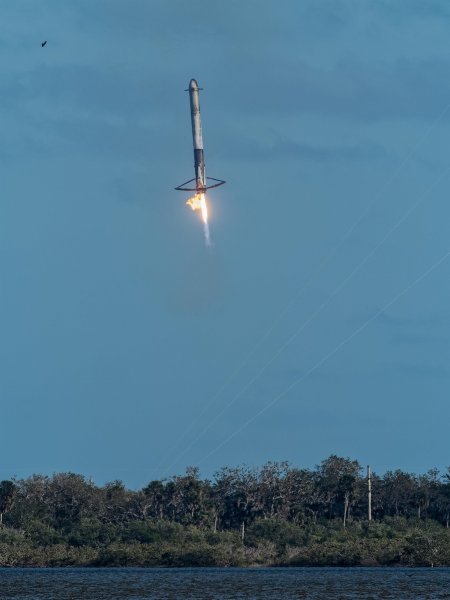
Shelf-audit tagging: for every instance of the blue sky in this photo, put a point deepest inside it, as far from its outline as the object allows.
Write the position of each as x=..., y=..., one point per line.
x=118, y=326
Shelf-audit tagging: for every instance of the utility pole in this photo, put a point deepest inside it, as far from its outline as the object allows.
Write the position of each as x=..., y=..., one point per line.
x=369, y=494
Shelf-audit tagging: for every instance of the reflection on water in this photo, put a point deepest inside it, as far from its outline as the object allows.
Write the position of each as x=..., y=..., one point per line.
x=220, y=584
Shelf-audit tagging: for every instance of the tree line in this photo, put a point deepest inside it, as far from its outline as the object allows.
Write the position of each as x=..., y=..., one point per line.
x=275, y=514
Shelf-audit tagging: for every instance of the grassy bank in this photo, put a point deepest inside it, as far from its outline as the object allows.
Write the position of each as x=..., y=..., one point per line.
x=269, y=542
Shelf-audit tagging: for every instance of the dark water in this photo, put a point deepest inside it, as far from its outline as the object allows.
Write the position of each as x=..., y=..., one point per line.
x=174, y=584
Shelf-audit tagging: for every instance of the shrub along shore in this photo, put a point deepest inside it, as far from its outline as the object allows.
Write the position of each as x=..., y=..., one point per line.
x=277, y=515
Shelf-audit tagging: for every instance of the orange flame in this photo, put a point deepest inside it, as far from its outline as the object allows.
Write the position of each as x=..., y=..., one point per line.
x=198, y=202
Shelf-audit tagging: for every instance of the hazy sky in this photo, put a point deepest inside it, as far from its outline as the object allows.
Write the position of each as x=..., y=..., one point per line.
x=118, y=326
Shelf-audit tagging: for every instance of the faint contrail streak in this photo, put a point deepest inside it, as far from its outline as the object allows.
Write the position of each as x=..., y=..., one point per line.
x=328, y=356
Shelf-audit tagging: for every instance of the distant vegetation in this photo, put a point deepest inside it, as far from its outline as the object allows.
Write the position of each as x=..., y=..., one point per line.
x=275, y=515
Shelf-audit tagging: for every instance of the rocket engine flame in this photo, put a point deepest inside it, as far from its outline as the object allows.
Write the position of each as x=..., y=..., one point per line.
x=198, y=202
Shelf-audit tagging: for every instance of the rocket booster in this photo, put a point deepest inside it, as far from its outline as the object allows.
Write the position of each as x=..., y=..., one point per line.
x=200, y=178
x=197, y=138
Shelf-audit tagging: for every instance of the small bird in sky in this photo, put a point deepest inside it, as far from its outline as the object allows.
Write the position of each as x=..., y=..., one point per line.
x=43, y=43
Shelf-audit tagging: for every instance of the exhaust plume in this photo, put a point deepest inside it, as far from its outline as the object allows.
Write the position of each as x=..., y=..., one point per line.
x=198, y=202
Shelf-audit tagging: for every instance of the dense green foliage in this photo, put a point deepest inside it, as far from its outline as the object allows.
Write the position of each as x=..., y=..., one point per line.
x=276, y=515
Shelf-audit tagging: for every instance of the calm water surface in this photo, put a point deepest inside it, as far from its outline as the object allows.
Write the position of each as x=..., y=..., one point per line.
x=220, y=584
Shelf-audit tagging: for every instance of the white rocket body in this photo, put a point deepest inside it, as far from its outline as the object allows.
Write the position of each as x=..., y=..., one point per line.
x=199, y=159
x=197, y=138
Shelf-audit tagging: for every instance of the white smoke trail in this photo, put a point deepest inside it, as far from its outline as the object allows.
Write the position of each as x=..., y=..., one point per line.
x=207, y=236
x=198, y=202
